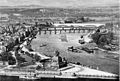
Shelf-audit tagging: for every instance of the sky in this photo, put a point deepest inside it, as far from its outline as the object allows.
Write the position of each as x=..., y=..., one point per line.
x=59, y=3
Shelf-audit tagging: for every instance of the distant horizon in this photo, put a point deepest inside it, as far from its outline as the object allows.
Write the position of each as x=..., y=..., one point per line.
x=69, y=7
x=60, y=3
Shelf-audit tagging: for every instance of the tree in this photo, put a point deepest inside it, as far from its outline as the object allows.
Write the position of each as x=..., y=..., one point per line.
x=11, y=60
x=11, y=29
x=4, y=56
x=103, y=39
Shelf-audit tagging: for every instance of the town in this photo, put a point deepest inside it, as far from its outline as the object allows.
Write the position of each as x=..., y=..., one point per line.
x=38, y=43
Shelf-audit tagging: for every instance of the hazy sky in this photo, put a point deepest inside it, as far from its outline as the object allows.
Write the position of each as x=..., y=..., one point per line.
x=59, y=3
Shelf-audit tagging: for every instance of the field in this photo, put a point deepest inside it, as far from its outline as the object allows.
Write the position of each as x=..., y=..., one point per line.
x=53, y=42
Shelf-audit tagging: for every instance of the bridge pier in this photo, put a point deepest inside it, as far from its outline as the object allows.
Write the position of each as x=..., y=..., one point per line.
x=70, y=31
x=50, y=31
x=39, y=32
x=45, y=32
x=73, y=30
x=65, y=30
x=79, y=30
x=60, y=31
x=55, y=30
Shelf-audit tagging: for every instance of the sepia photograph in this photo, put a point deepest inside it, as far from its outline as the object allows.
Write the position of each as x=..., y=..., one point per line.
x=59, y=40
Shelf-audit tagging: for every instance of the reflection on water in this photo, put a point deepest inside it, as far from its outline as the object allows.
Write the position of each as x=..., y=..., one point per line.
x=6, y=78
